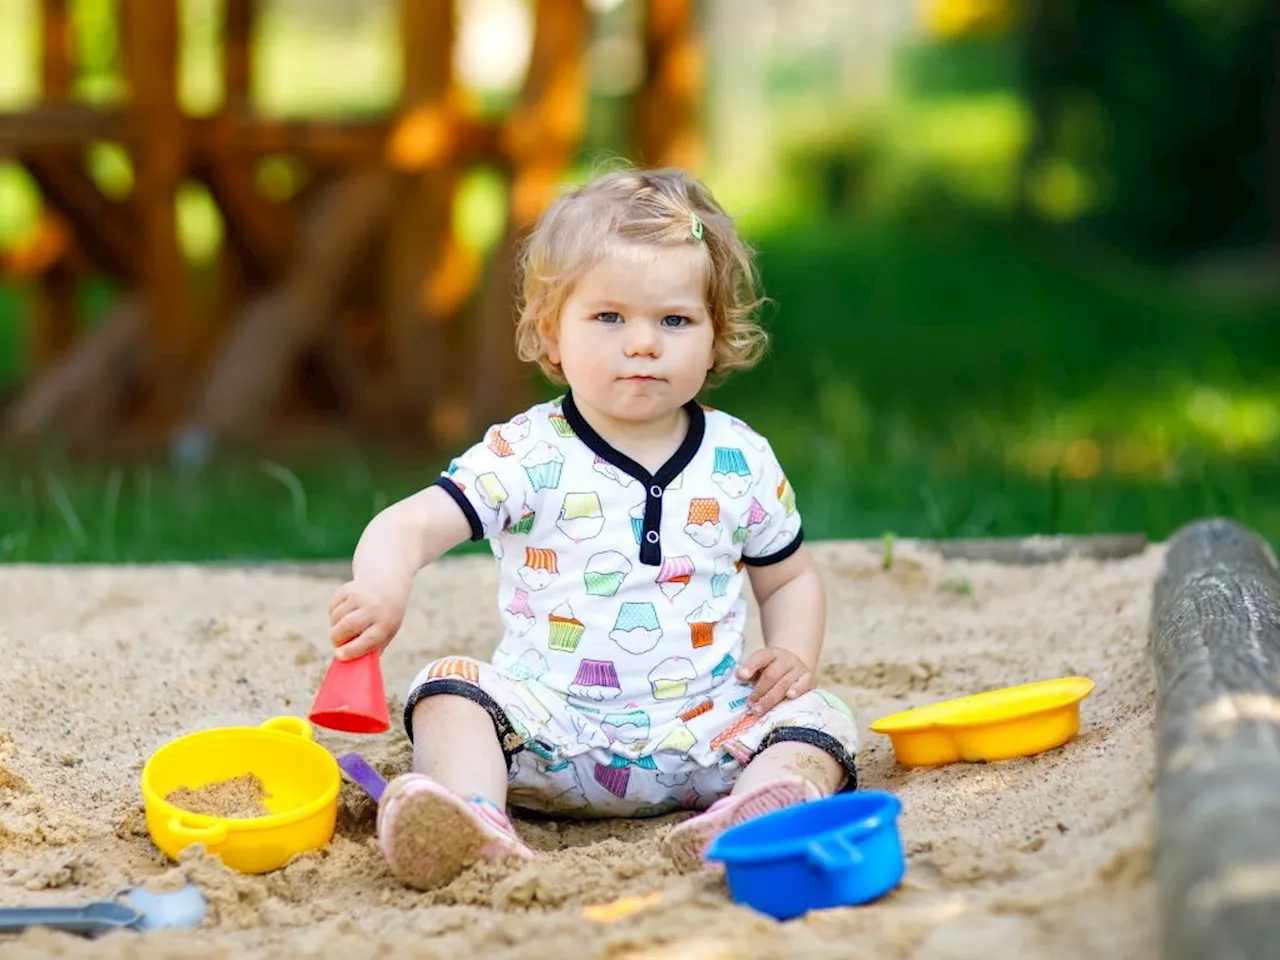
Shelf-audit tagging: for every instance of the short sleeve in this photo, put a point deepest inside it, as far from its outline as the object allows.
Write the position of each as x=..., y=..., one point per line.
x=488, y=481
x=774, y=531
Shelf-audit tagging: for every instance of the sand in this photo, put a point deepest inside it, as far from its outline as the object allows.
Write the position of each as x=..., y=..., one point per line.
x=1044, y=857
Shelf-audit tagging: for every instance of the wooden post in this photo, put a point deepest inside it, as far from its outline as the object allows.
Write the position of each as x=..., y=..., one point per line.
x=665, y=128
x=261, y=353
x=1215, y=640
x=540, y=137
x=105, y=229
x=54, y=307
x=158, y=142
x=420, y=149
x=56, y=54
x=260, y=233
x=79, y=396
x=237, y=26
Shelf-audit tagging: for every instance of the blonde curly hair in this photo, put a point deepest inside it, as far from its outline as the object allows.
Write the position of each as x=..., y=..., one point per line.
x=646, y=207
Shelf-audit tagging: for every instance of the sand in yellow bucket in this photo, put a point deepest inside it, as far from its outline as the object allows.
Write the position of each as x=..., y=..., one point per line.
x=1000, y=724
x=299, y=790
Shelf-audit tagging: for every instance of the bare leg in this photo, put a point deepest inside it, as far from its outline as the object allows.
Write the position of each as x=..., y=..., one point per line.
x=788, y=760
x=455, y=744
x=449, y=812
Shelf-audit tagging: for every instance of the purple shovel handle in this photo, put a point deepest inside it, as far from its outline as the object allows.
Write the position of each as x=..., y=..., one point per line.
x=364, y=775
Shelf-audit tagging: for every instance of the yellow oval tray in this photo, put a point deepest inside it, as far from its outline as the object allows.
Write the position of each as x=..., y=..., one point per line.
x=997, y=725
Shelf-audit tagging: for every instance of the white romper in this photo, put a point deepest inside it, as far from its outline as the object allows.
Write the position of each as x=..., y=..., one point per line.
x=621, y=592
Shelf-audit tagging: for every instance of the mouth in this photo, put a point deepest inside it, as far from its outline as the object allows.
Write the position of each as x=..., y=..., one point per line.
x=642, y=379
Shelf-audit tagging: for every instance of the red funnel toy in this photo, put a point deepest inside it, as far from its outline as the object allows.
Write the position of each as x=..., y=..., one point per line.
x=352, y=698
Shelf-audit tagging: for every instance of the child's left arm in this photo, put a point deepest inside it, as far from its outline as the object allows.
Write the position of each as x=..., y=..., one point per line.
x=793, y=615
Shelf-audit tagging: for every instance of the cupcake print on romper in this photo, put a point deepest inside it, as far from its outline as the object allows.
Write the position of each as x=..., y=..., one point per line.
x=526, y=716
x=580, y=516
x=617, y=774
x=753, y=439
x=756, y=515
x=636, y=514
x=730, y=472
x=605, y=572
x=497, y=443
x=835, y=703
x=702, y=624
x=786, y=497
x=529, y=697
x=519, y=613
x=606, y=469
x=695, y=707
x=725, y=567
x=532, y=665
x=565, y=631
x=636, y=629
x=459, y=667
x=543, y=466
x=541, y=566
x=628, y=726
x=724, y=667
x=669, y=680
x=703, y=526
x=514, y=430
x=596, y=680
x=525, y=523
x=492, y=493
x=680, y=740
x=560, y=425
x=674, y=575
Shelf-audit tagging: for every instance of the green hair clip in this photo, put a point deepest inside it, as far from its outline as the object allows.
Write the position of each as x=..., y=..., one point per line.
x=695, y=226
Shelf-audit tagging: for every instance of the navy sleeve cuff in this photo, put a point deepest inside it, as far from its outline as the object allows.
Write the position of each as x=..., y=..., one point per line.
x=776, y=557
x=460, y=498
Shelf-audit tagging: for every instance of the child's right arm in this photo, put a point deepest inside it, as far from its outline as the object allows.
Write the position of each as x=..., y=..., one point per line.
x=367, y=612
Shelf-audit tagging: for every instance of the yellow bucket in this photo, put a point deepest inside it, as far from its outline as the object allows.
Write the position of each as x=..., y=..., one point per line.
x=998, y=725
x=300, y=776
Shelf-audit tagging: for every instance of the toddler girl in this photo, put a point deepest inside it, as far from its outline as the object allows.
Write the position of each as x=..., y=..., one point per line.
x=625, y=518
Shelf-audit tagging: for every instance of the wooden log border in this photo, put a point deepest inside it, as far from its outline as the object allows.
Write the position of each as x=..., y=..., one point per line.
x=1215, y=641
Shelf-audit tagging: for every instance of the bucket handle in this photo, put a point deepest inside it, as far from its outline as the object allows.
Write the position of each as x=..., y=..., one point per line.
x=294, y=725
x=834, y=853
x=211, y=836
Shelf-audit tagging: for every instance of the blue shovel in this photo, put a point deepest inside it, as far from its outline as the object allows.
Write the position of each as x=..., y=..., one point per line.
x=132, y=908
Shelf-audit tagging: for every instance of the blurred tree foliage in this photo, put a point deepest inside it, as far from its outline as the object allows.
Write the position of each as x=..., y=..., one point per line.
x=1187, y=93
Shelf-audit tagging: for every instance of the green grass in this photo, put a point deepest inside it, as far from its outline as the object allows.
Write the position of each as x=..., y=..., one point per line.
x=942, y=378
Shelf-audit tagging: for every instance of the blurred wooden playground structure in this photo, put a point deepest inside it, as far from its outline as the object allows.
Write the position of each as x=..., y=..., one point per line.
x=351, y=299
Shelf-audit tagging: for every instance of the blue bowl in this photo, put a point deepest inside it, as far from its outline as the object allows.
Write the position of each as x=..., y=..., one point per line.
x=835, y=852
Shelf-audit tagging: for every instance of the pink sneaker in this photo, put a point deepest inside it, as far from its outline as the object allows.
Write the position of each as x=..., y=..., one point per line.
x=429, y=834
x=688, y=840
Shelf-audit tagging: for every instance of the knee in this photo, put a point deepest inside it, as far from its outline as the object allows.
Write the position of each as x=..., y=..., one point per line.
x=449, y=712
x=449, y=691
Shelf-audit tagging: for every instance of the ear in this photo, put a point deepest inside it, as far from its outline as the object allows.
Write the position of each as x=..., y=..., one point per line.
x=550, y=331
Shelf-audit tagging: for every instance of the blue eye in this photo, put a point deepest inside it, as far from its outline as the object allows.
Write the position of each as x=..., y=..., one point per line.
x=674, y=320
x=609, y=316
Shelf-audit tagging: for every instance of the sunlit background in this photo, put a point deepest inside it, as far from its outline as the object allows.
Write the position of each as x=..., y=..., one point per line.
x=1023, y=259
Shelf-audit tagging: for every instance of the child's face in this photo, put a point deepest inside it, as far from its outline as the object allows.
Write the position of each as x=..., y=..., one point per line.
x=635, y=337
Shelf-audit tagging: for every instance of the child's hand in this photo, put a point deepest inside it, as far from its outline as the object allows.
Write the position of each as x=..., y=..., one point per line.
x=361, y=620
x=780, y=675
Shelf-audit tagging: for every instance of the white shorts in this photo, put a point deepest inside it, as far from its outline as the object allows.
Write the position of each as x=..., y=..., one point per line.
x=565, y=760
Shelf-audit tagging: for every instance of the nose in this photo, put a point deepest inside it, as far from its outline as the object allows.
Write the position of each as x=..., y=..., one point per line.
x=642, y=339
